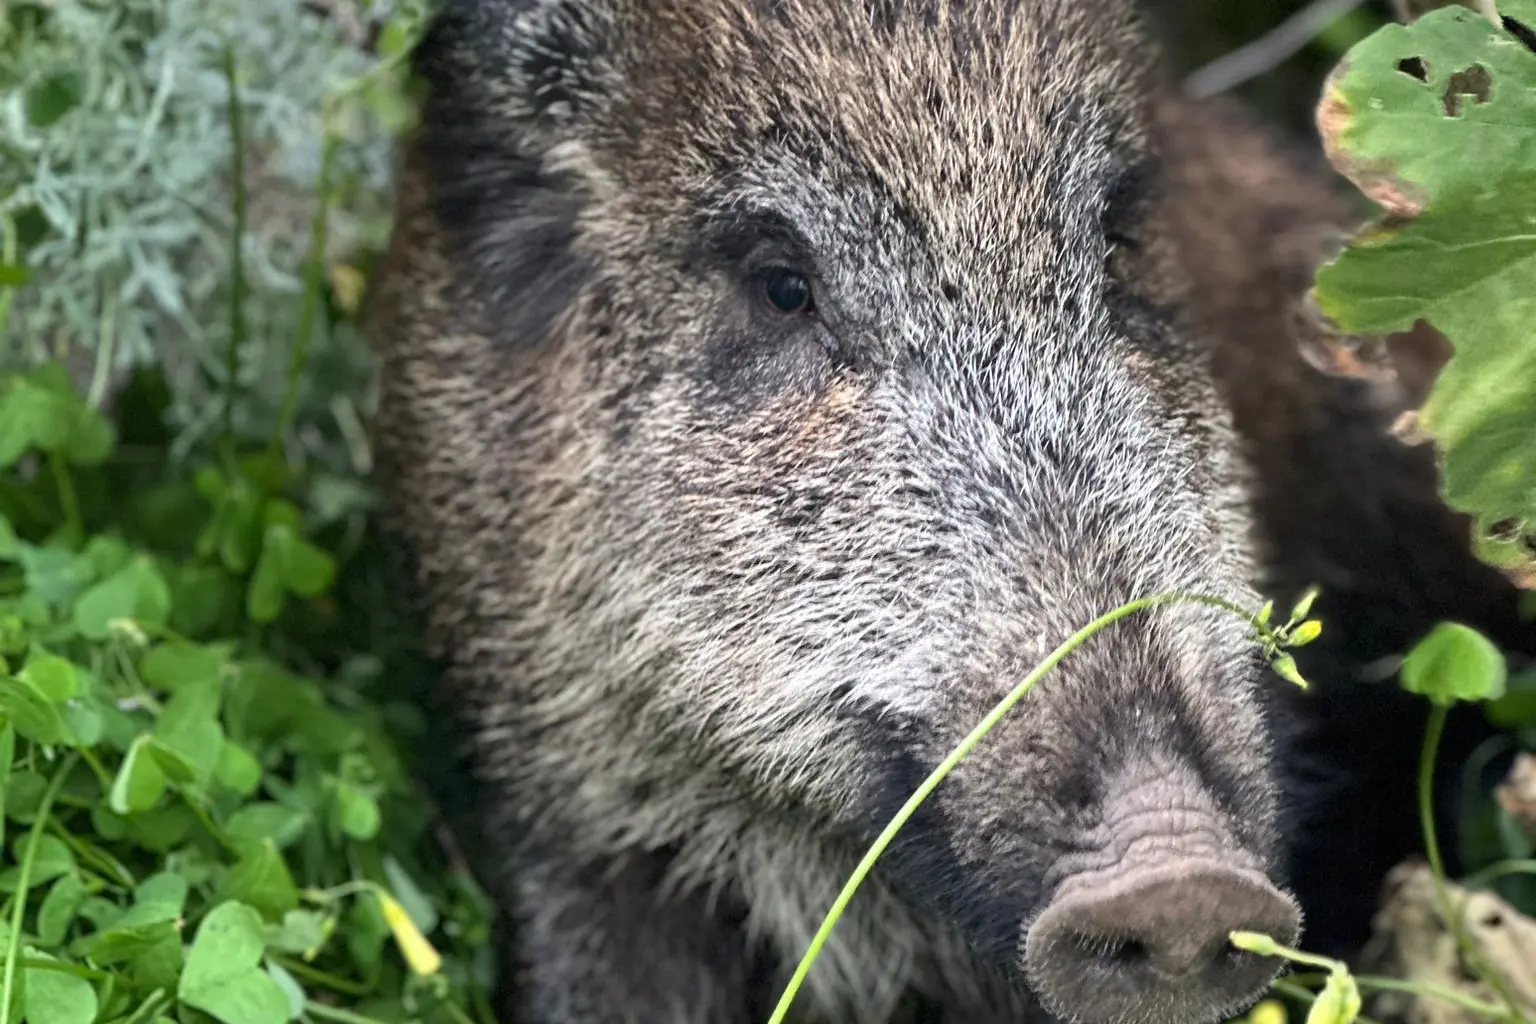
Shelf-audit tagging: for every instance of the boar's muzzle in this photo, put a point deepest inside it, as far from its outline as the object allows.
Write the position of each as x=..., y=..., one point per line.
x=1136, y=931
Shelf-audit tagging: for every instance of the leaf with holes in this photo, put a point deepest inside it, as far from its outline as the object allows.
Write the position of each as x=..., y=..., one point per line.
x=1436, y=121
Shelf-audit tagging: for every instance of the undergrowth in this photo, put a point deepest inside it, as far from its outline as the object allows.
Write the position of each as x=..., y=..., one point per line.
x=208, y=813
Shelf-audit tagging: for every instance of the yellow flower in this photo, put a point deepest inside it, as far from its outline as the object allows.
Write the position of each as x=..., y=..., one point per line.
x=419, y=953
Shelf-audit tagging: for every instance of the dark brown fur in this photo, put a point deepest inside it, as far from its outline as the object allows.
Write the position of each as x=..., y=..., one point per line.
x=716, y=590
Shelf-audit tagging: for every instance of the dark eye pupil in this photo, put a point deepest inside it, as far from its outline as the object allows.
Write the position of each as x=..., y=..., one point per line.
x=789, y=292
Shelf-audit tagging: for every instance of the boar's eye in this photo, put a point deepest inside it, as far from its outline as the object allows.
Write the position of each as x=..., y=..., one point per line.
x=787, y=291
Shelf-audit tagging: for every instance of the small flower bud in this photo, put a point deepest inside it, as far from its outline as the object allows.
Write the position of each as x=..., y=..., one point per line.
x=1285, y=667
x=1305, y=633
x=1255, y=942
x=418, y=952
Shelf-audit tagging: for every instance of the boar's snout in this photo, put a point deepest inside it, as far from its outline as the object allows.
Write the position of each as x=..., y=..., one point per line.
x=1137, y=930
x=1150, y=944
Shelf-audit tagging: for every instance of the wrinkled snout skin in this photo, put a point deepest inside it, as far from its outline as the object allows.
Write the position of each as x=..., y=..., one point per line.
x=768, y=387
x=1138, y=926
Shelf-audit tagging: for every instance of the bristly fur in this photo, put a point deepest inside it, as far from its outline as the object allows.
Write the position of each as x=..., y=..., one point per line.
x=717, y=586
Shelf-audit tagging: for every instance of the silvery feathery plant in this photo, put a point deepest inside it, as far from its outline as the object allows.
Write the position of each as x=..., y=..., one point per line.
x=121, y=203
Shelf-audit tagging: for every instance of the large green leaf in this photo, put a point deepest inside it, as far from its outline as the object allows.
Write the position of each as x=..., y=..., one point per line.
x=1425, y=111
x=1454, y=663
x=1437, y=122
x=260, y=879
x=222, y=976
x=55, y=997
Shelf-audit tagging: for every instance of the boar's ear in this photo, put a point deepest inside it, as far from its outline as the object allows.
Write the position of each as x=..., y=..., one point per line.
x=532, y=61
x=509, y=85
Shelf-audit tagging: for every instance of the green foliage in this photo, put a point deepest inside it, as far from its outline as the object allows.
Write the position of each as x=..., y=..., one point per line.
x=196, y=828
x=1436, y=121
x=1454, y=663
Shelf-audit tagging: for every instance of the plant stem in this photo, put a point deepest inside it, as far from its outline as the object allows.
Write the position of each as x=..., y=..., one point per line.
x=1298, y=957
x=237, y=325
x=482, y=1006
x=338, y=1015
x=106, y=346
x=1268, y=51
x=1499, y=870
x=148, y=1008
x=7, y=258
x=457, y=1012
x=1424, y=988
x=314, y=275
x=94, y=763
x=1427, y=756
x=105, y=863
x=23, y=882
x=1293, y=986
x=345, y=986
x=69, y=501
x=60, y=967
x=219, y=835
x=325, y=897
x=960, y=751
x=1434, y=732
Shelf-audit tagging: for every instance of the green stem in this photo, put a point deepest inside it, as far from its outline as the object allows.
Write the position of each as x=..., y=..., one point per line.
x=69, y=501
x=1424, y=988
x=103, y=861
x=1427, y=757
x=965, y=747
x=148, y=1008
x=237, y=325
x=314, y=276
x=100, y=770
x=339, y=1016
x=219, y=835
x=457, y=1012
x=106, y=346
x=1293, y=986
x=482, y=1006
x=324, y=897
x=23, y=882
x=1295, y=956
x=1498, y=870
x=352, y=87
x=1434, y=732
x=7, y=258
x=60, y=967
x=343, y=985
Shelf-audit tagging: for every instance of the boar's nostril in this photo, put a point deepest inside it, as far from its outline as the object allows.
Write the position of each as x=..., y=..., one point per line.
x=1126, y=952
x=1150, y=943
